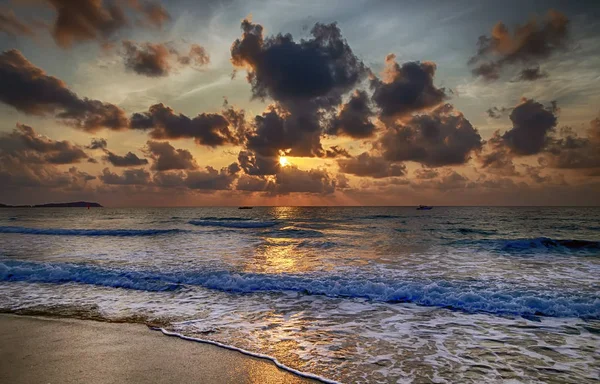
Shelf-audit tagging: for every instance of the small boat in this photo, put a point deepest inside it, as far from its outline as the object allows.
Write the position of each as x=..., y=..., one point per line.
x=244, y=207
x=424, y=208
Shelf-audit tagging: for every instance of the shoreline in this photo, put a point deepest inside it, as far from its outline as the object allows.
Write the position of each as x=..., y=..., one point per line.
x=38, y=349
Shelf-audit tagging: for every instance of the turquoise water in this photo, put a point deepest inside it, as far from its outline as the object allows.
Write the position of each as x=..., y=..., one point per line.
x=381, y=294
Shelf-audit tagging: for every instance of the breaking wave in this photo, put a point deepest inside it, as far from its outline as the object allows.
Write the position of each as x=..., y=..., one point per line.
x=469, y=296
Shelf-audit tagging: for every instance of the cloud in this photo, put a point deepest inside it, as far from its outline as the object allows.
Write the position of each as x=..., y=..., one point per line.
x=29, y=160
x=97, y=144
x=534, y=173
x=156, y=60
x=570, y=151
x=291, y=179
x=442, y=137
x=154, y=13
x=448, y=181
x=129, y=160
x=86, y=20
x=253, y=184
x=212, y=179
x=365, y=165
x=321, y=67
x=497, y=158
x=256, y=164
x=305, y=79
x=208, y=129
x=426, y=173
x=354, y=118
x=532, y=125
x=11, y=25
x=30, y=90
x=165, y=157
x=532, y=74
x=275, y=132
x=406, y=89
x=497, y=112
x=128, y=177
x=337, y=151
x=25, y=145
x=529, y=43
x=82, y=20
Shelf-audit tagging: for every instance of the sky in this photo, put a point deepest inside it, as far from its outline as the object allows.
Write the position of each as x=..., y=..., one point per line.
x=280, y=102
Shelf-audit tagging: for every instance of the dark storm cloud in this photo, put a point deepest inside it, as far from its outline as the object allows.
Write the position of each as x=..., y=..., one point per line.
x=532, y=74
x=11, y=25
x=529, y=43
x=365, y=165
x=155, y=60
x=97, y=144
x=532, y=126
x=321, y=67
x=165, y=157
x=304, y=78
x=212, y=179
x=442, y=137
x=406, y=89
x=25, y=145
x=256, y=164
x=336, y=151
x=30, y=90
x=129, y=160
x=354, y=118
x=128, y=177
x=209, y=129
x=275, y=132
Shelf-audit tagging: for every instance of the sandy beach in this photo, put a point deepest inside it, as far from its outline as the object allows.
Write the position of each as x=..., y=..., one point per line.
x=50, y=350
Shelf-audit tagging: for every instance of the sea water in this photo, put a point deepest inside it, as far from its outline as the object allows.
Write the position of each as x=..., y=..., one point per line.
x=386, y=294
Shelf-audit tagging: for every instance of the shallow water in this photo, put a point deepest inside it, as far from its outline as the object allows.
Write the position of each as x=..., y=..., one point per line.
x=351, y=294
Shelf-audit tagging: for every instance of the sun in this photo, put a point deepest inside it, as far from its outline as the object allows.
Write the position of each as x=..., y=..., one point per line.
x=283, y=161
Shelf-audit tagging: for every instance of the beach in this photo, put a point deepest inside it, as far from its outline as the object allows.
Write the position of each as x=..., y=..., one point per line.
x=57, y=350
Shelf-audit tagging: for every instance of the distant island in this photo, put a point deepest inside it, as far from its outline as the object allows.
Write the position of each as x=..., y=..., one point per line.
x=74, y=204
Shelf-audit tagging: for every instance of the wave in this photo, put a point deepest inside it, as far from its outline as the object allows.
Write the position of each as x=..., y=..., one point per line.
x=294, y=233
x=248, y=353
x=475, y=231
x=468, y=296
x=214, y=218
x=88, y=232
x=547, y=243
x=317, y=244
x=244, y=223
x=375, y=217
x=533, y=245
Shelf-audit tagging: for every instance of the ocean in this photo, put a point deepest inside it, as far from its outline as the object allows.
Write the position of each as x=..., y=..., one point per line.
x=351, y=294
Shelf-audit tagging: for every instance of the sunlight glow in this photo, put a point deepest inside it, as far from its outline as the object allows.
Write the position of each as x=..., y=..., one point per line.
x=283, y=161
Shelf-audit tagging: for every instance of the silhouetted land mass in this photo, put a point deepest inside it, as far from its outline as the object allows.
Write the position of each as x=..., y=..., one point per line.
x=74, y=204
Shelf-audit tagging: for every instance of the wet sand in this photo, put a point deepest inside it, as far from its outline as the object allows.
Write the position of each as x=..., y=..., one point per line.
x=49, y=350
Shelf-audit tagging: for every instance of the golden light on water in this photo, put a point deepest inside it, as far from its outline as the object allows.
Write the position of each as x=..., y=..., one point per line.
x=283, y=161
